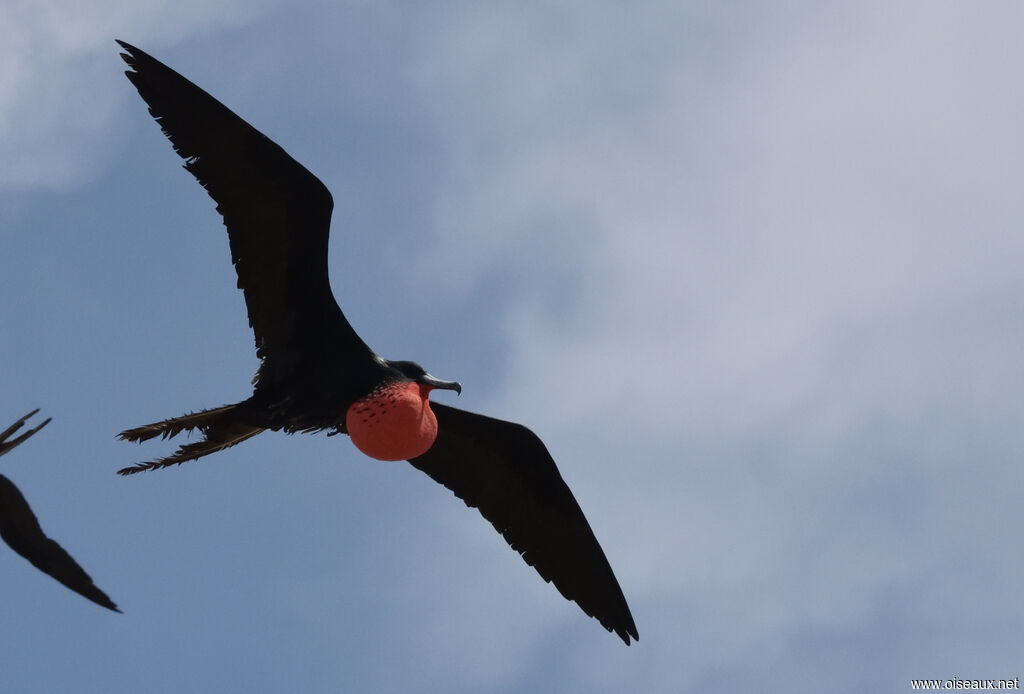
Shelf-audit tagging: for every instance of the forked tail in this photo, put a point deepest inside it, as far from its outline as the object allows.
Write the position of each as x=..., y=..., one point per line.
x=221, y=428
x=6, y=445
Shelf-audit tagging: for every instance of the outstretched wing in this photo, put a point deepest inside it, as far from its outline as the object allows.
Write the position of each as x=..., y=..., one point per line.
x=20, y=529
x=276, y=212
x=504, y=470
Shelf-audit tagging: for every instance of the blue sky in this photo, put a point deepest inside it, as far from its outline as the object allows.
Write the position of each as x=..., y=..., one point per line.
x=753, y=273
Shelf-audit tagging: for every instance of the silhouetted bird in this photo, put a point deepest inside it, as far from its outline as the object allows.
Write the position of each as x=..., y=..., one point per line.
x=317, y=374
x=20, y=529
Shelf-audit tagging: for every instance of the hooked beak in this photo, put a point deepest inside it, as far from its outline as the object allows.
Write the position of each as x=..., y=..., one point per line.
x=428, y=380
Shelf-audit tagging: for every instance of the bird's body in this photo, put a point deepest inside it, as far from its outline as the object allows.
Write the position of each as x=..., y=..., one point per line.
x=316, y=373
x=20, y=529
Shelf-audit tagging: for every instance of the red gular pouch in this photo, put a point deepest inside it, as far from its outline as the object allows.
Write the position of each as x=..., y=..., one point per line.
x=394, y=422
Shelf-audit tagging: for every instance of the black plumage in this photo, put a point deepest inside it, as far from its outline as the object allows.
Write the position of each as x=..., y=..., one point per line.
x=314, y=367
x=20, y=529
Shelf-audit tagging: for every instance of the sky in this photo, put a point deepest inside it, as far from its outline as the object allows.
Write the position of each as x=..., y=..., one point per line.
x=752, y=271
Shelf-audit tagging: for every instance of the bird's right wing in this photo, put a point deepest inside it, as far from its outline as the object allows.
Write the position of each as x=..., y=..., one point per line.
x=504, y=470
x=277, y=215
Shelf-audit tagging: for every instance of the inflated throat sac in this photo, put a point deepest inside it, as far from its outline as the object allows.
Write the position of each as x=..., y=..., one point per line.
x=393, y=423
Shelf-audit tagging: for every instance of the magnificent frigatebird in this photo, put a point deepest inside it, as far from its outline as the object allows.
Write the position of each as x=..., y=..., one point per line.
x=20, y=529
x=317, y=374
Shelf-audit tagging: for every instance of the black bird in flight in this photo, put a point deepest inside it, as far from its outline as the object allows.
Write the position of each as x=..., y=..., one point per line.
x=20, y=529
x=317, y=374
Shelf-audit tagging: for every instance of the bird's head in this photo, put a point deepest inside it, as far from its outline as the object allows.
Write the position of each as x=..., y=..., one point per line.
x=395, y=422
x=417, y=374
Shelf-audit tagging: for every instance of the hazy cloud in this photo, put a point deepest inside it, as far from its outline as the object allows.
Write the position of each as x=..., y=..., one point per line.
x=751, y=272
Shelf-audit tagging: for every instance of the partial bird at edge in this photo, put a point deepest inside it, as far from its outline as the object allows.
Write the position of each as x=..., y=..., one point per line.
x=20, y=529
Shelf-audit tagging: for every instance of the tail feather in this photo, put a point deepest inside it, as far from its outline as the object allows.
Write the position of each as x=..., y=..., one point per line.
x=6, y=445
x=220, y=430
x=169, y=428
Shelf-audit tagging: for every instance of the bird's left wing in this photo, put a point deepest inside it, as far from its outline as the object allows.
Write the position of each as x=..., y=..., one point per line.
x=504, y=470
x=277, y=215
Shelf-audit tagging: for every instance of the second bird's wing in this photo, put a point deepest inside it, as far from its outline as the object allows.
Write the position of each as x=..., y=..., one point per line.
x=20, y=529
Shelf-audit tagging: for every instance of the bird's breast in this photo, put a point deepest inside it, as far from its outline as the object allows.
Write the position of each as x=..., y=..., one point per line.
x=393, y=423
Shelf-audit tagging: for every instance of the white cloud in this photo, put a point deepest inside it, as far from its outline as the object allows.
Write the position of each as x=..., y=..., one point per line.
x=800, y=244
x=57, y=83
